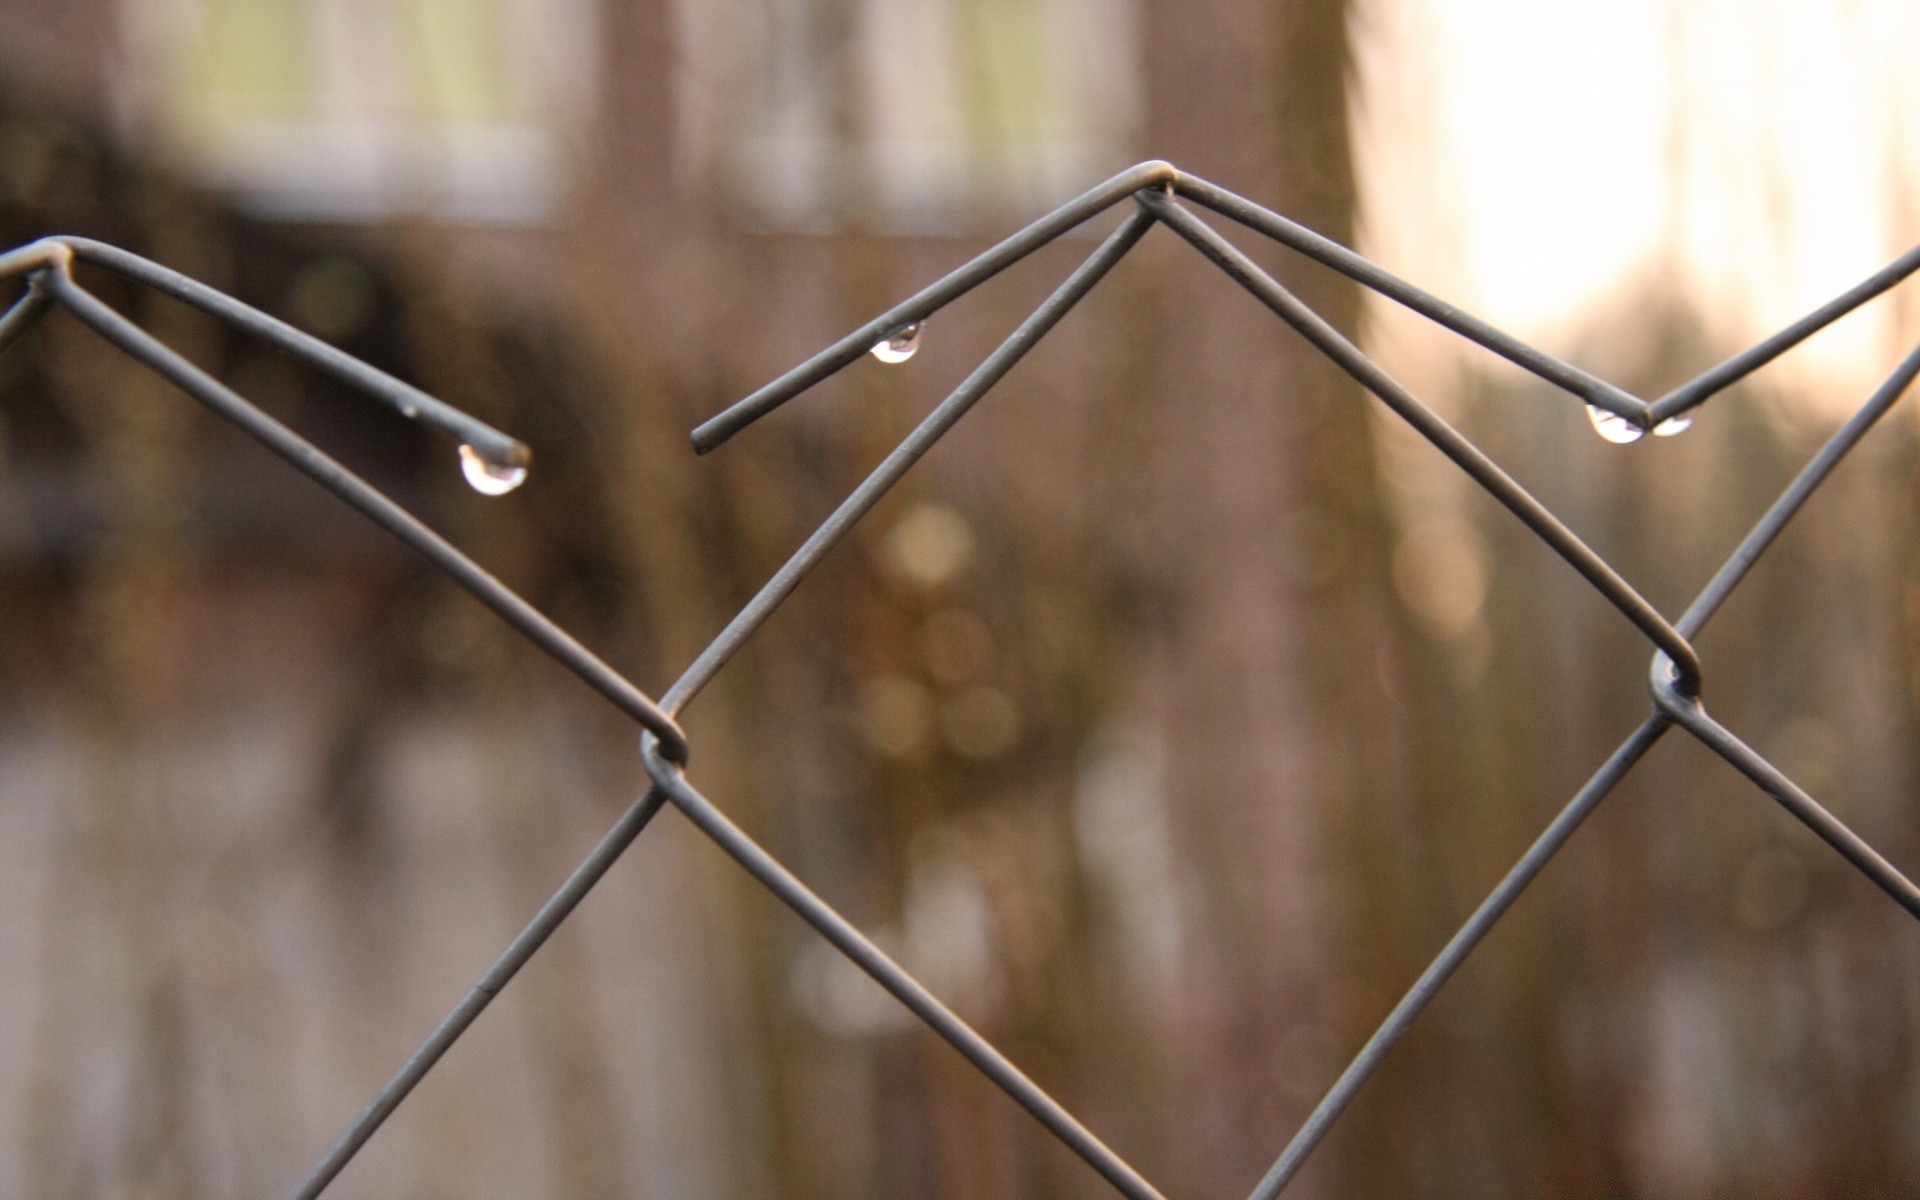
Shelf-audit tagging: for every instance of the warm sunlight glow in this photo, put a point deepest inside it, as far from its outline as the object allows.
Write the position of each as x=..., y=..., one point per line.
x=1546, y=163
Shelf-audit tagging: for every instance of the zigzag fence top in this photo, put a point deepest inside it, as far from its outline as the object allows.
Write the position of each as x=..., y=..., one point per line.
x=1152, y=193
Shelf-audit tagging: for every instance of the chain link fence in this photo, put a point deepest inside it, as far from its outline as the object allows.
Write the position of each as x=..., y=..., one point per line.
x=1153, y=193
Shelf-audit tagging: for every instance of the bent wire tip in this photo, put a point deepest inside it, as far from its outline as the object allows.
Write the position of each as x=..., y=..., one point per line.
x=36, y=256
x=493, y=462
x=34, y=260
x=713, y=432
x=503, y=454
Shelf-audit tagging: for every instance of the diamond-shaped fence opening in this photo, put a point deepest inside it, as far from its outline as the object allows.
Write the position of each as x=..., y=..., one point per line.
x=1153, y=193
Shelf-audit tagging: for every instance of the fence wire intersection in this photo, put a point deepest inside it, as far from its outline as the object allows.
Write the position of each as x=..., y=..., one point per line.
x=1158, y=195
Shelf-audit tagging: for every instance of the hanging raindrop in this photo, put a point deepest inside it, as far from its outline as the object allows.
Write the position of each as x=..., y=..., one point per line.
x=1614, y=427
x=899, y=346
x=1674, y=425
x=489, y=478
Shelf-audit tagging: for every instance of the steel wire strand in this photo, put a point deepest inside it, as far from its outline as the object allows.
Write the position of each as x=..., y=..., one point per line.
x=525, y=944
x=615, y=842
x=1448, y=440
x=1690, y=714
x=895, y=979
x=1710, y=382
x=1797, y=493
x=303, y=455
x=924, y=303
x=1457, y=950
x=916, y=444
x=1467, y=939
x=491, y=444
x=25, y=313
x=1693, y=717
x=1374, y=277
x=716, y=430
x=48, y=286
x=49, y=260
x=1532, y=359
x=1329, y=253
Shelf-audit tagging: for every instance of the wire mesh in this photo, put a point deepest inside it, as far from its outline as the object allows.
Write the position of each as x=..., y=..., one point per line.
x=1153, y=193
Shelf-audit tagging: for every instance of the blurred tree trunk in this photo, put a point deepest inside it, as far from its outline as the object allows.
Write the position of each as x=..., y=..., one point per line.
x=1272, y=689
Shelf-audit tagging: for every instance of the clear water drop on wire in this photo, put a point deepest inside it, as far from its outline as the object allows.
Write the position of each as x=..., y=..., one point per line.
x=1674, y=425
x=489, y=478
x=900, y=345
x=1614, y=427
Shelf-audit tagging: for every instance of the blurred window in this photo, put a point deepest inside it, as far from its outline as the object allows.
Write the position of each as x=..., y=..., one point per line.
x=365, y=109
x=907, y=116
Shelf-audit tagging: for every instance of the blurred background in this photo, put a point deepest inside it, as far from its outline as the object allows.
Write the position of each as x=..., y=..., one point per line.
x=1166, y=720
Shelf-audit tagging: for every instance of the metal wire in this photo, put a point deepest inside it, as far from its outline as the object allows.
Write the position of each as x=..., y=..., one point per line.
x=1155, y=189
x=49, y=263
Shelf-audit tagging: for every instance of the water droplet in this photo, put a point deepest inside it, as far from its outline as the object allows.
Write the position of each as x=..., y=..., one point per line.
x=899, y=346
x=1613, y=427
x=489, y=478
x=1674, y=425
